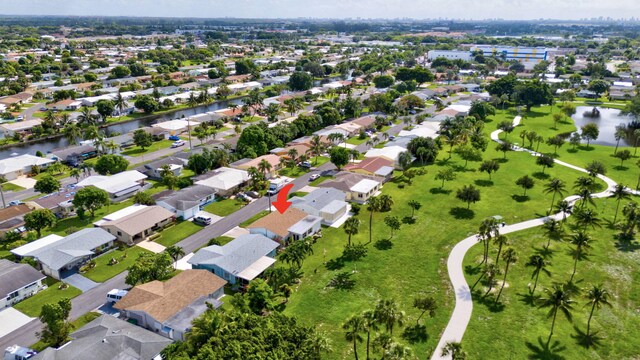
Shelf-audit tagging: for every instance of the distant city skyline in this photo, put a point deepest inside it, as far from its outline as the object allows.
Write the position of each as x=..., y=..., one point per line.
x=416, y=9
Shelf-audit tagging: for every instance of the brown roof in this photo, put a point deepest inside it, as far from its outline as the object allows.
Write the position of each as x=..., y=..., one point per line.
x=141, y=220
x=300, y=148
x=279, y=223
x=14, y=211
x=10, y=100
x=370, y=165
x=364, y=121
x=162, y=300
x=272, y=159
x=344, y=181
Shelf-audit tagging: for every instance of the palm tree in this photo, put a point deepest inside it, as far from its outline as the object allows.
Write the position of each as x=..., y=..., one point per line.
x=374, y=206
x=490, y=273
x=354, y=326
x=293, y=154
x=414, y=205
x=509, y=257
x=370, y=324
x=581, y=240
x=557, y=298
x=585, y=195
x=192, y=101
x=64, y=119
x=175, y=252
x=555, y=187
x=112, y=146
x=619, y=134
x=489, y=228
x=264, y=166
x=86, y=117
x=500, y=240
x=317, y=147
x=119, y=102
x=405, y=159
x=563, y=207
x=587, y=217
x=619, y=193
x=351, y=228
x=75, y=173
x=553, y=230
x=597, y=296
x=388, y=314
x=455, y=350
x=72, y=133
x=539, y=265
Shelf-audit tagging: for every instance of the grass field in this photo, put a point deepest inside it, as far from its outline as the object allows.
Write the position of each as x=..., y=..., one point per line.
x=224, y=207
x=524, y=327
x=414, y=261
x=103, y=271
x=177, y=233
x=32, y=305
x=157, y=145
x=355, y=140
x=77, y=223
x=11, y=187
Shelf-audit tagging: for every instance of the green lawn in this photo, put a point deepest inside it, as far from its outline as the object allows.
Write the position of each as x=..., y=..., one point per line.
x=32, y=305
x=224, y=207
x=103, y=271
x=416, y=261
x=355, y=140
x=77, y=223
x=254, y=218
x=294, y=172
x=320, y=180
x=11, y=187
x=177, y=233
x=157, y=145
x=525, y=325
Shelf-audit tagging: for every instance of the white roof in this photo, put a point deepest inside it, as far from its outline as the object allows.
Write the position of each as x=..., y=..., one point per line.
x=175, y=124
x=364, y=186
x=225, y=178
x=256, y=268
x=114, y=183
x=21, y=125
x=20, y=162
x=623, y=84
x=460, y=108
x=129, y=210
x=390, y=152
x=427, y=129
x=24, y=250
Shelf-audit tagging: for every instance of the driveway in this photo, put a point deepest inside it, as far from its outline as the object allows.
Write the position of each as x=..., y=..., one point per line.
x=12, y=319
x=79, y=281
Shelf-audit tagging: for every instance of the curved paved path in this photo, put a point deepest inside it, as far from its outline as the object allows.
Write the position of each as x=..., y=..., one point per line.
x=464, y=304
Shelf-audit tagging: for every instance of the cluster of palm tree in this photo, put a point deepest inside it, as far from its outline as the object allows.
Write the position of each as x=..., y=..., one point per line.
x=382, y=203
x=204, y=131
x=461, y=131
x=387, y=315
x=292, y=105
x=253, y=102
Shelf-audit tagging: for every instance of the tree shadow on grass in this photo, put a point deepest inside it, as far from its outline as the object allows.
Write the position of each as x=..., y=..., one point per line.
x=587, y=341
x=488, y=301
x=501, y=160
x=483, y=183
x=415, y=334
x=436, y=191
x=520, y=198
x=529, y=298
x=540, y=175
x=572, y=151
x=626, y=245
x=621, y=168
x=545, y=351
x=383, y=244
x=335, y=264
x=462, y=213
x=586, y=148
x=544, y=251
x=472, y=270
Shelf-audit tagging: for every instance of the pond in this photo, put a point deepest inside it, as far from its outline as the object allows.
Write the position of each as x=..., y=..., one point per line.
x=607, y=122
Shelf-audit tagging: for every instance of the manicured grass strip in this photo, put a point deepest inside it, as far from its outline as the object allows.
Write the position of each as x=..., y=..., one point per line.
x=224, y=207
x=157, y=145
x=177, y=233
x=33, y=305
x=254, y=218
x=103, y=271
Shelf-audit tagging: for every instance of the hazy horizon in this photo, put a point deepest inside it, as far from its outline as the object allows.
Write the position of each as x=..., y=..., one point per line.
x=332, y=9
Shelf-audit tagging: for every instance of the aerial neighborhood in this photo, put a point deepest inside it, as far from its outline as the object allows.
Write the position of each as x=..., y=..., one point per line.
x=193, y=190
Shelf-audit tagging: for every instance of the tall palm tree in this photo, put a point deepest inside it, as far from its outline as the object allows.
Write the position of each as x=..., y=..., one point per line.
x=509, y=257
x=64, y=119
x=175, y=252
x=86, y=117
x=374, y=206
x=317, y=147
x=597, y=296
x=490, y=273
x=557, y=298
x=351, y=228
x=354, y=326
x=489, y=228
x=619, y=193
x=72, y=133
x=553, y=230
x=586, y=218
x=585, y=195
x=388, y=314
x=500, y=240
x=112, y=146
x=454, y=349
x=75, y=173
x=120, y=103
x=555, y=187
x=370, y=325
x=539, y=265
x=563, y=207
x=581, y=240
x=192, y=101
x=619, y=134
x=264, y=166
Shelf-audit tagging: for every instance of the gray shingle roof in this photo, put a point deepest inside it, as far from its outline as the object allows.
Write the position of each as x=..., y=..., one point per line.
x=188, y=197
x=15, y=276
x=236, y=255
x=319, y=198
x=66, y=250
x=108, y=338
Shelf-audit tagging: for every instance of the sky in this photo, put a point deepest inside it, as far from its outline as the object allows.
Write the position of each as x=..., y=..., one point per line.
x=417, y=9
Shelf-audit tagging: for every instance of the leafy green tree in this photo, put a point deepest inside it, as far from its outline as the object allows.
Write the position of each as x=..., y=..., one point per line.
x=55, y=317
x=142, y=138
x=504, y=147
x=147, y=104
x=557, y=299
x=149, y=267
x=481, y=110
x=111, y=164
x=469, y=153
x=545, y=161
x=454, y=349
x=623, y=155
x=137, y=69
x=423, y=148
x=598, y=86
x=383, y=81
x=90, y=199
x=526, y=182
x=597, y=296
x=339, y=156
x=590, y=132
x=105, y=108
x=300, y=81
x=556, y=142
x=533, y=93
x=120, y=71
x=143, y=198
x=468, y=194
x=489, y=166
x=393, y=223
x=426, y=304
x=244, y=66
x=350, y=227
x=47, y=184
x=504, y=86
x=414, y=205
x=260, y=296
x=39, y=219
x=446, y=174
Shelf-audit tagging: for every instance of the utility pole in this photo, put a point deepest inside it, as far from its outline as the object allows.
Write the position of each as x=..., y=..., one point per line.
x=4, y=205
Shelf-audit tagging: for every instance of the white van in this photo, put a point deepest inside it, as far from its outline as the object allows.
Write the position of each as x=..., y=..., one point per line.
x=276, y=185
x=202, y=220
x=116, y=295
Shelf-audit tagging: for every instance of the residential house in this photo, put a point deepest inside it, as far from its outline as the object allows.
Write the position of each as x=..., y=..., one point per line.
x=60, y=202
x=584, y=93
x=358, y=188
x=293, y=224
x=300, y=149
x=67, y=104
x=108, y=338
x=18, y=282
x=55, y=258
x=74, y=155
x=326, y=203
x=19, y=127
x=12, y=217
x=175, y=127
x=389, y=152
x=154, y=169
x=273, y=160
x=365, y=121
x=240, y=260
x=377, y=166
x=119, y=186
x=138, y=225
x=168, y=307
x=225, y=181
x=123, y=141
x=25, y=250
x=187, y=202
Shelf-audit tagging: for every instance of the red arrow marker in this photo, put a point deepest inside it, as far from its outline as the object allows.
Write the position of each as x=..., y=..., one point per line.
x=282, y=204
